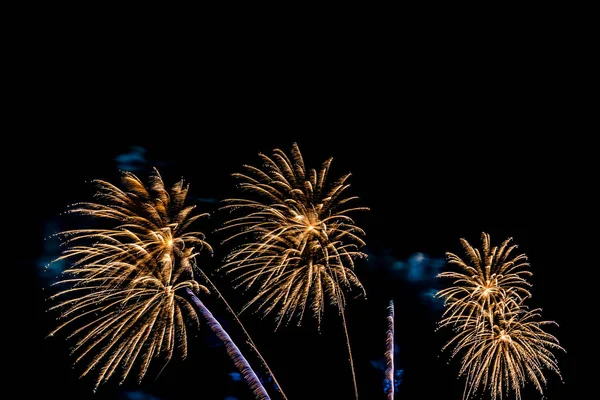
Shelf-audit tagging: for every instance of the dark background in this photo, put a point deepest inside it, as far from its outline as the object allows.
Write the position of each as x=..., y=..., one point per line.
x=440, y=148
x=423, y=198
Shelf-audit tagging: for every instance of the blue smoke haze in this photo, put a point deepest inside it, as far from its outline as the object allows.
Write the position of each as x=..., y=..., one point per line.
x=134, y=160
x=138, y=395
x=418, y=269
x=398, y=378
x=398, y=374
x=378, y=364
x=428, y=297
x=235, y=376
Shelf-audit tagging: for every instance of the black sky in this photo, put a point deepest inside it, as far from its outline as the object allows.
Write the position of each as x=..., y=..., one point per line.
x=423, y=196
x=436, y=152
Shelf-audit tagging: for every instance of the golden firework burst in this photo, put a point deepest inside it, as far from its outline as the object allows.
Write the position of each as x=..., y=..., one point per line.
x=505, y=350
x=300, y=241
x=125, y=283
x=487, y=277
x=502, y=342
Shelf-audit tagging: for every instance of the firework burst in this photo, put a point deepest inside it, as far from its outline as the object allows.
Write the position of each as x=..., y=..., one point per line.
x=300, y=242
x=488, y=276
x=130, y=287
x=502, y=342
x=125, y=282
x=503, y=352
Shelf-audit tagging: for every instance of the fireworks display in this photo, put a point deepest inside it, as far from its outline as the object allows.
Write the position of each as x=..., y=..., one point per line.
x=134, y=288
x=299, y=243
x=502, y=343
x=126, y=283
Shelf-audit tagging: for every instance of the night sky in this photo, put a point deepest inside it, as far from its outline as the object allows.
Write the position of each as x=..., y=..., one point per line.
x=450, y=127
x=423, y=194
x=436, y=153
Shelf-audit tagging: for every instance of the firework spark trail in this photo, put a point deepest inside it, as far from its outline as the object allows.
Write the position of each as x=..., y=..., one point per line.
x=249, y=339
x=300, y=242
x=389, y=354
x=349, y=353
x=232, y=350
x=125, y=283
x=502, y=342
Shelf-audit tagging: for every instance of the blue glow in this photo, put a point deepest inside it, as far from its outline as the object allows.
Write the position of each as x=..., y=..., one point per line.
x=418, y=269
x=428, y=297
x=378, y=364
x=133, y=160
x=139, y=395
x=397, y=381
x=398, y=378
x=209, y=200
x=235, y=376
x=422, y=267
x=386, y=385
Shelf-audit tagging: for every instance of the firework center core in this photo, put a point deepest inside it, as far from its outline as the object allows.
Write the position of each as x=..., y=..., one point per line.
x=504, y=337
